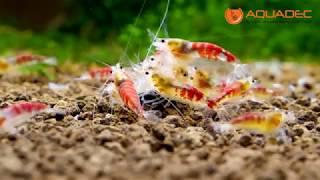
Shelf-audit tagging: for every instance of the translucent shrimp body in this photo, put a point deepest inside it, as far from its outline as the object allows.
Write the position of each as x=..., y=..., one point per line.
x=99, y=73
x=186, y=50
x=258, y=121
x=186, y=93
x=234, y=91
x=19, y=113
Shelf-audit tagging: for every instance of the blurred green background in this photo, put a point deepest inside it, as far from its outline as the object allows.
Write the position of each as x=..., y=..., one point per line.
x=111, y=30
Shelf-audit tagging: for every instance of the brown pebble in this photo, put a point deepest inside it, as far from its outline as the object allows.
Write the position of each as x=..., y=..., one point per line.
x=310, y=125
x=308, y=116
x=196, y=115
x=308, y=86
x=174, y=119
x=304, y=101
x=245, y=140
x=315, y=108
x=298, y=131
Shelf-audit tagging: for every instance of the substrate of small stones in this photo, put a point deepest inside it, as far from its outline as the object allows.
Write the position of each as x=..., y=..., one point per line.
x=91, y=140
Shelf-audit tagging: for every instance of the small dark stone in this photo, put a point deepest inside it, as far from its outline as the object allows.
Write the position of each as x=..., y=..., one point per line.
x=12, y=137
x=85, y=115
x=59, y=116
x=103, y=107
x=245, y=140
x=307, y=86
x=22, y=97
x=310, y=125
x=315, y=108
x=318, y=128
x=272, y=77
x=81, y=104
x=298, y=131
x=196, y=115
x=308, y=116
x=158, y=134
x=105, y=122
x=74, y=111
x=304, y=102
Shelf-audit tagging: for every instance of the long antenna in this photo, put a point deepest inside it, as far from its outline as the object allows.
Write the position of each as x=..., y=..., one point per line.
x=161, y=24
x=134, y=24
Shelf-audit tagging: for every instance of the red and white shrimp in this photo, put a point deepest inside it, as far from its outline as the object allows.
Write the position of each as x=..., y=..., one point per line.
x=183, y=49
x=265, y=122
x=98, y=73
x=19, y=113
x=261, y=122
x=27, y=58
x=124, y=92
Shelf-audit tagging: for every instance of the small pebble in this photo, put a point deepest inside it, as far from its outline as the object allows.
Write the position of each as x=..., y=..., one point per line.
x=245, y=140
x=196, y=115
x=310, y=125
x=59, y=116
x=315, y=108
x=298, y=131
x=304, y=101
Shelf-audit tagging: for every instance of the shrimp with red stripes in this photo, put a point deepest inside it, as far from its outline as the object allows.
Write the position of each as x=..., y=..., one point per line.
x=185, y=94
x=269, y=123
x=186, y=50
x=264, y=122
x=234, y=91
x=98, y=73
x=260, y=92
x=122, y=91
x=28, y=58
x=19, y=113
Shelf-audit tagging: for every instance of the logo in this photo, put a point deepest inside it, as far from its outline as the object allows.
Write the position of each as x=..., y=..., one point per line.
x=233, y=16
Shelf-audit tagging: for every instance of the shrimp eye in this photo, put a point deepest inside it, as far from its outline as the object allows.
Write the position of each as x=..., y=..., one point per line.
x=121, y=67
x=254, y=81
x=152, y=59
x=185, y=74
x=147, y=73
x=163, y=41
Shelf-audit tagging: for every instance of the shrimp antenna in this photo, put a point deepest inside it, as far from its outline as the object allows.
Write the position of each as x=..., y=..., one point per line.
x=175, y=107
x=134, y=24
x=101, y=62
x=165, y=29
x=158, y=30
x=151, y=34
